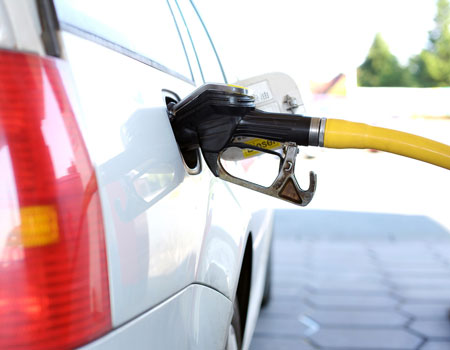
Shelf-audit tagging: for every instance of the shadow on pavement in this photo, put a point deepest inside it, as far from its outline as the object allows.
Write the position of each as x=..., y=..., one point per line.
x=357, y=281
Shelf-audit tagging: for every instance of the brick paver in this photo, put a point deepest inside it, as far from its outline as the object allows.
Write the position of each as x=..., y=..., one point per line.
x=343, y=286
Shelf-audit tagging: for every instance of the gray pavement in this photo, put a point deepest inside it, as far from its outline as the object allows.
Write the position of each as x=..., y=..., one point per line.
x=357, y=281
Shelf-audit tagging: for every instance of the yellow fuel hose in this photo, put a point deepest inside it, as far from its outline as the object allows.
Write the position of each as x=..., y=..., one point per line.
x=345, y=134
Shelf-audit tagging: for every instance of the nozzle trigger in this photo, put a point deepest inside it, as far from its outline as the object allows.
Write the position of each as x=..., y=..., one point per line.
x=285, y=186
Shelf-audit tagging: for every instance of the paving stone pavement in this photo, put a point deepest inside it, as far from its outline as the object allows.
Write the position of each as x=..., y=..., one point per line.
x=357, y=281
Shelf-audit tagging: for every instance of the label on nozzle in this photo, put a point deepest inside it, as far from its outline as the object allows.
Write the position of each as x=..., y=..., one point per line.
x=236, y=154
x=260, y=143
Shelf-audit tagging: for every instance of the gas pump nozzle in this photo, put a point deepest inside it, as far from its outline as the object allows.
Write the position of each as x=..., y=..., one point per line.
x=214, y=115
x=217, y=118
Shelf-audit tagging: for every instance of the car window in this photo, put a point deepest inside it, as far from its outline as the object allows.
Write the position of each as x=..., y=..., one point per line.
x=143, y=27
x=210, y=66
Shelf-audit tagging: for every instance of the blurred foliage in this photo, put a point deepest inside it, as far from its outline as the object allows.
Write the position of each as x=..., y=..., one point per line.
x=381, y=67
x=430, y=68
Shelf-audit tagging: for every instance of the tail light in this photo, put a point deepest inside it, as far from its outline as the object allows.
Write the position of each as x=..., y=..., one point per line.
x=54, y=290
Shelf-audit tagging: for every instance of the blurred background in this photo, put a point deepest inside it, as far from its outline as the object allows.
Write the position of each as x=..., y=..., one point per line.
x=384, y=62
x=367, y=264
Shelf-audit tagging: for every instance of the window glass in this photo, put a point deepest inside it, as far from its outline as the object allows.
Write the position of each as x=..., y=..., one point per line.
x=207, y=57
x=142, y=26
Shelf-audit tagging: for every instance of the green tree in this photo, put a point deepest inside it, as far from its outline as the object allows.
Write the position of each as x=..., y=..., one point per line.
x=381, y=67
x=432, y=66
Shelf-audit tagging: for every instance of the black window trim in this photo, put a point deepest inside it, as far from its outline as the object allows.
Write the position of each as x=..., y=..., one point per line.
x=123, y=50
x=49, y=26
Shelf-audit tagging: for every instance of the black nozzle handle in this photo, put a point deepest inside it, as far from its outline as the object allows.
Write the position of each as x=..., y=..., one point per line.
x=275, y=126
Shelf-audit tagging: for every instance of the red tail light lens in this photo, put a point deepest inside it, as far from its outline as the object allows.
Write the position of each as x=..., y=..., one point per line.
x=54, y=290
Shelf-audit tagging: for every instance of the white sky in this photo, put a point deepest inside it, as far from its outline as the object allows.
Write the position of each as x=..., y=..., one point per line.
x=315, y=39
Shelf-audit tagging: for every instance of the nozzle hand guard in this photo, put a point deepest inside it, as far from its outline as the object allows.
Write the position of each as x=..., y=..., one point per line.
x=285, y=185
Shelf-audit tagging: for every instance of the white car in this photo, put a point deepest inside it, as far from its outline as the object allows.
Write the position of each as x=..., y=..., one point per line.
x=110, y=238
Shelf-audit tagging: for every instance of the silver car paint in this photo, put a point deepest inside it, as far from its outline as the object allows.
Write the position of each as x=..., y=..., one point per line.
x=160, y=240
x=166, y=260
x=185, y=321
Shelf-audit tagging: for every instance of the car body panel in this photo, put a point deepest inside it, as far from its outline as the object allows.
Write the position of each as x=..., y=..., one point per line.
x=175, y=241
x=182, y=322
x=261, y=226
x=165, y=229
x=22, y=29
